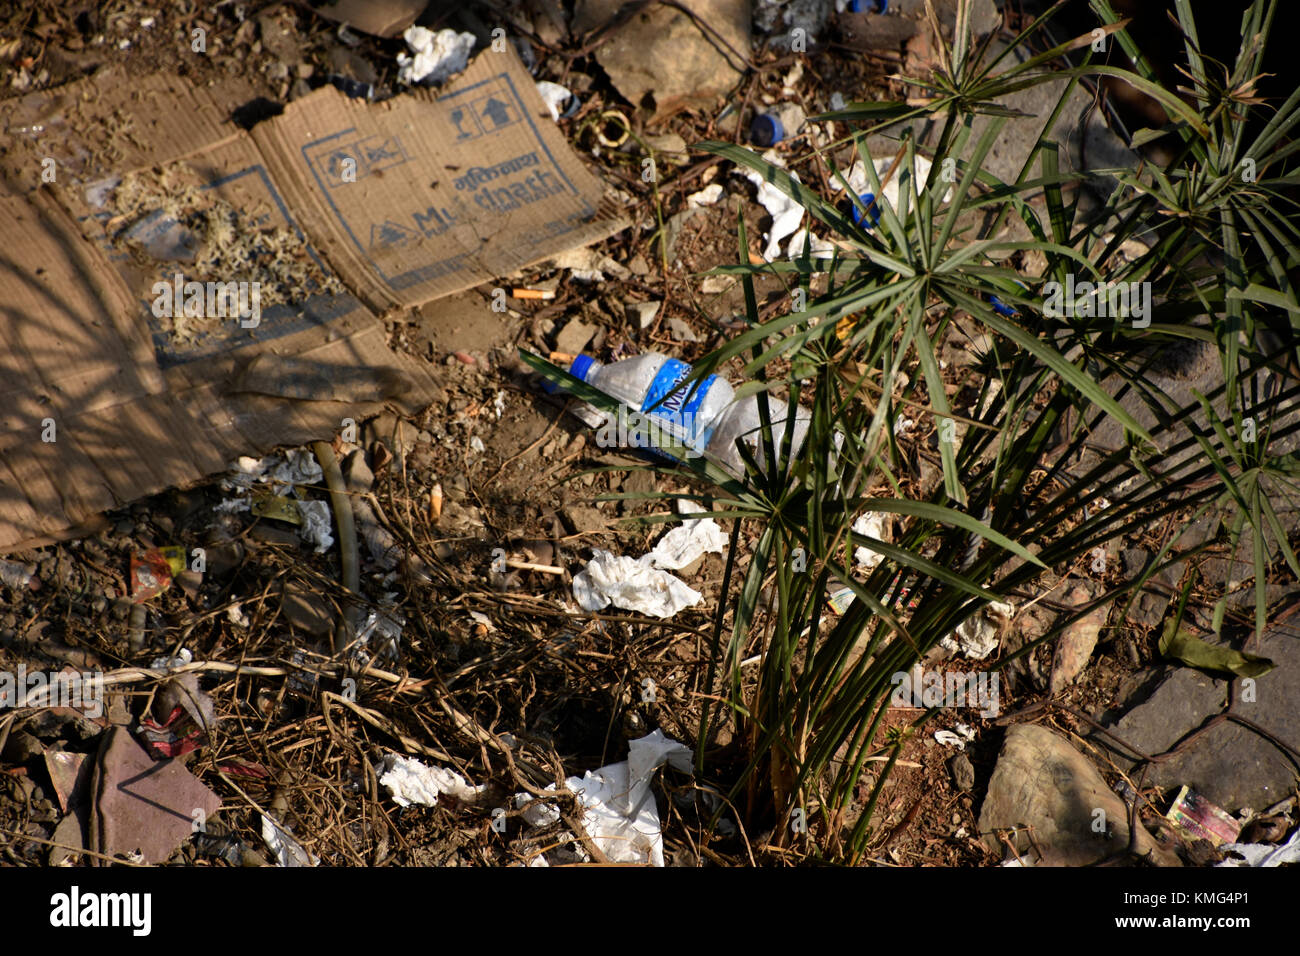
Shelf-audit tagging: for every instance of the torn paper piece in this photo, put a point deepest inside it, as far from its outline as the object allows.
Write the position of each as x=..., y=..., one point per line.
x=683, y=545
x=287, y=850
x=785, y=212
x=554, y=96
x=298, y=467
x=977, y=637
x=438, y=56
x=588, y=265
x=958, y=737
x=413, y=782
x=632, y=585
x=620, y=814
x=872, y=524
x=707, y=196
x=1262, y=854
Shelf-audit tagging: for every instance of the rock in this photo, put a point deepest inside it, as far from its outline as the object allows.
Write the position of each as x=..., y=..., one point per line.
x=1075, y=645
x=1229, y=765
x=963, y=772
x=1041, y=782
x=585, y=519
x=1148, y=610
x=359, y=477
x=642, y=313
x=870, y=31
x=307, y=610
x=574, y=337
x=394, y=432
x=661, y=57
x=681, y=331
x=670, y=145
x=142, y=805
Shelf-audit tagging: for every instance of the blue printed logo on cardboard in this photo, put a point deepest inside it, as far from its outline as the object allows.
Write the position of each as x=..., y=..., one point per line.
x=485, y=114
x=355, y=161
x=471, y=196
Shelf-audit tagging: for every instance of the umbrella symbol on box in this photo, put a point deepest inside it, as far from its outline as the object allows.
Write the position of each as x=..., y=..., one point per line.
x=458, y=117
x=497, y=112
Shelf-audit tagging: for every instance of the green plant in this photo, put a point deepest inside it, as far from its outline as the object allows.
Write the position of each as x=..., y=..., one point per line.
x=1012, y=503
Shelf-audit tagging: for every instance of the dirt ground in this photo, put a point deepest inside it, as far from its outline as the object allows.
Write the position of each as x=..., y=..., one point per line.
x=484, y=655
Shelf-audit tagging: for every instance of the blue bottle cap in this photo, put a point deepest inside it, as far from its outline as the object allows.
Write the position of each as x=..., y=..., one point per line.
x=581, y=365
x=766, y=130
x=856, y=5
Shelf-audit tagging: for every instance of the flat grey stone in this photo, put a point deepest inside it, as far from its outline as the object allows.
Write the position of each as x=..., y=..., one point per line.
x=1230, y=765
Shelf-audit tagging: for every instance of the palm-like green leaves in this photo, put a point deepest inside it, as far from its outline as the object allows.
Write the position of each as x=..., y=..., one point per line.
x=812, y=708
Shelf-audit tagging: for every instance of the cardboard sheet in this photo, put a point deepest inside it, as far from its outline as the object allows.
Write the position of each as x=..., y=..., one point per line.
x=341, y=210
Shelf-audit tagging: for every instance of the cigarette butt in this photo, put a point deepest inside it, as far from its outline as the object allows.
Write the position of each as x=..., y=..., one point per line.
x=562, y=358
x=435, y=502
x=755, y=259
x=529, y=566
x=533, y=293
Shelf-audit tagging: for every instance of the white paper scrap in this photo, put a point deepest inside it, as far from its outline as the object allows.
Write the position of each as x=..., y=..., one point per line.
x=977, y=637
x=411, y=781
x=873, y=524
x=554, y=96
x=287, y=850
x=1263, y=854
x=620, y=814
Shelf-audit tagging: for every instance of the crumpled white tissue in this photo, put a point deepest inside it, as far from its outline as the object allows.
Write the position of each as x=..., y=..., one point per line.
x=818, y=248
x=438, y=56
x=316, y=523
x=632, y=585
x=1263, y=854
x=554, y=96
x=785, y=212
x=683, y=544
x=873, y=524
x=411, y=781
x=619, y=812
x=977, y=637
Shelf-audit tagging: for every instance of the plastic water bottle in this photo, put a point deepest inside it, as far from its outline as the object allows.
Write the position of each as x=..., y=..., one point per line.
x=742, y=420
x=651, y=383
x=708, y=419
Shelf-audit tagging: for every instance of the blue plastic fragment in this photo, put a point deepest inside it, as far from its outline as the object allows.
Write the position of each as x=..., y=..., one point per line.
x=856, y=6
x=1001, y=308
x=869, y=201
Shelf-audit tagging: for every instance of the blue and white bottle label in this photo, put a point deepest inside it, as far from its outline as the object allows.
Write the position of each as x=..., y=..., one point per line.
x=676, y=410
